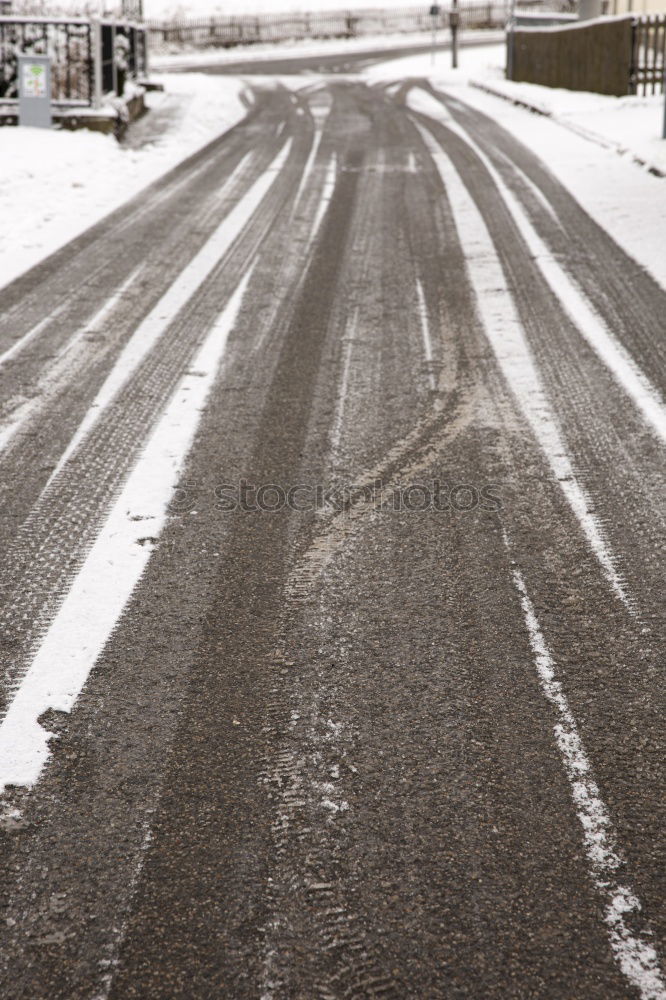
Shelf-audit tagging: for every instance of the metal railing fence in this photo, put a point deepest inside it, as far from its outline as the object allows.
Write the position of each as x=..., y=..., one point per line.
x=648, y=59
x=243, y=30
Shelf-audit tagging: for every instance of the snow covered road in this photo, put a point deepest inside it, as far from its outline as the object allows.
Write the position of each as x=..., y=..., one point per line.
x=332, y=614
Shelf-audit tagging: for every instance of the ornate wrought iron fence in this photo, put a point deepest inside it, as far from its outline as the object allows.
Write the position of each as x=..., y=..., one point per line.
x=74, y=45
x=69, y=45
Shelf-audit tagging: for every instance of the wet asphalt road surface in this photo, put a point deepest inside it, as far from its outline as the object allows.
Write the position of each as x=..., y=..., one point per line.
x=403, y=735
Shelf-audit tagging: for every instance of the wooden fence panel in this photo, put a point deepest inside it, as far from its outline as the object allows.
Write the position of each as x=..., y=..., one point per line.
x=598, y=57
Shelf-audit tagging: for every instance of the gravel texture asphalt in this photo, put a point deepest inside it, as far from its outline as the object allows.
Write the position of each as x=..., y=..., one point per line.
x=317, y=757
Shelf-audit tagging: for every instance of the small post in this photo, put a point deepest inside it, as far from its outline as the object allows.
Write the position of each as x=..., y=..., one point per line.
x=454, y=21
x=34, y=74
x=510, y=40
x=434, y=14
x=663, y=131
x=96, y=44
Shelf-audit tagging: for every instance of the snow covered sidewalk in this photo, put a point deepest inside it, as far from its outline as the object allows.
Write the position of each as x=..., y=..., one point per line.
x=629, y=125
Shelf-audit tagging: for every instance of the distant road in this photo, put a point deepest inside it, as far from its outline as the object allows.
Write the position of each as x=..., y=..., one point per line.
x=341, y=62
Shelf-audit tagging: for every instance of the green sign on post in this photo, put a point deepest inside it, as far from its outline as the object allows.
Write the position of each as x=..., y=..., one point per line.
x=34, y=73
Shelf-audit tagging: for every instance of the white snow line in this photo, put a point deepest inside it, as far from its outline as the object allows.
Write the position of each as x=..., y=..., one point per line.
x=23, y=341
x=614, y=355
x=326, y=195
x=181, y=291
x=504, y=332
x=112, y=568
x=279, y=130
x=632, y=947
x=425, y=331
x=536, y=191
x=25, y=411
x=240, y=167
x=102, y=314
x=411, y=163
x=336, y=432
x=307, y=169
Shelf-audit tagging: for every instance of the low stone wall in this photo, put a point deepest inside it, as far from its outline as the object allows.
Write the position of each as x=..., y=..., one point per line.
x=594, y=56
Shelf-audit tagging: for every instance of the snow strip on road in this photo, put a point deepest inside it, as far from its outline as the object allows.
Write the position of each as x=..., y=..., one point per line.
x=425, y=331
x=588, y=322
x=113, y=567
x=633, y=950
x=336, y=432
x=326, y=195
x=180, y=292
x=503, y=329
x=320, y=114
x=62, y=364
x=23, y=341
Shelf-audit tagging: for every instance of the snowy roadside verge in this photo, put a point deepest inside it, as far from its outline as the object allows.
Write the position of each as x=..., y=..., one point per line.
x=629, y=125
x=54, y=185
x=623, y=198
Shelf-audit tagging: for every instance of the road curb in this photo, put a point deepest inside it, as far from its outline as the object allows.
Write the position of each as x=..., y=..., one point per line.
x=576, y=129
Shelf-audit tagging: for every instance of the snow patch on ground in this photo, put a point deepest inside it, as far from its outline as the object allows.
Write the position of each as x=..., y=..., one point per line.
x=630, y=124
x=55, y=184
x=482, y=60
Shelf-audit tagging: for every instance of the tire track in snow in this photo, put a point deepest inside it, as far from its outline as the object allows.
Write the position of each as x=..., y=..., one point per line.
x=324, y=201
x=320, y=113
x=590, y=325
x=60, y=371
x=131, y=220
x=40, y=565
x=628, y=931
x=175, y=298
x=504, y=332
x=75, y=287
x=628, y=299
x=112, y=568
x=120, y=232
